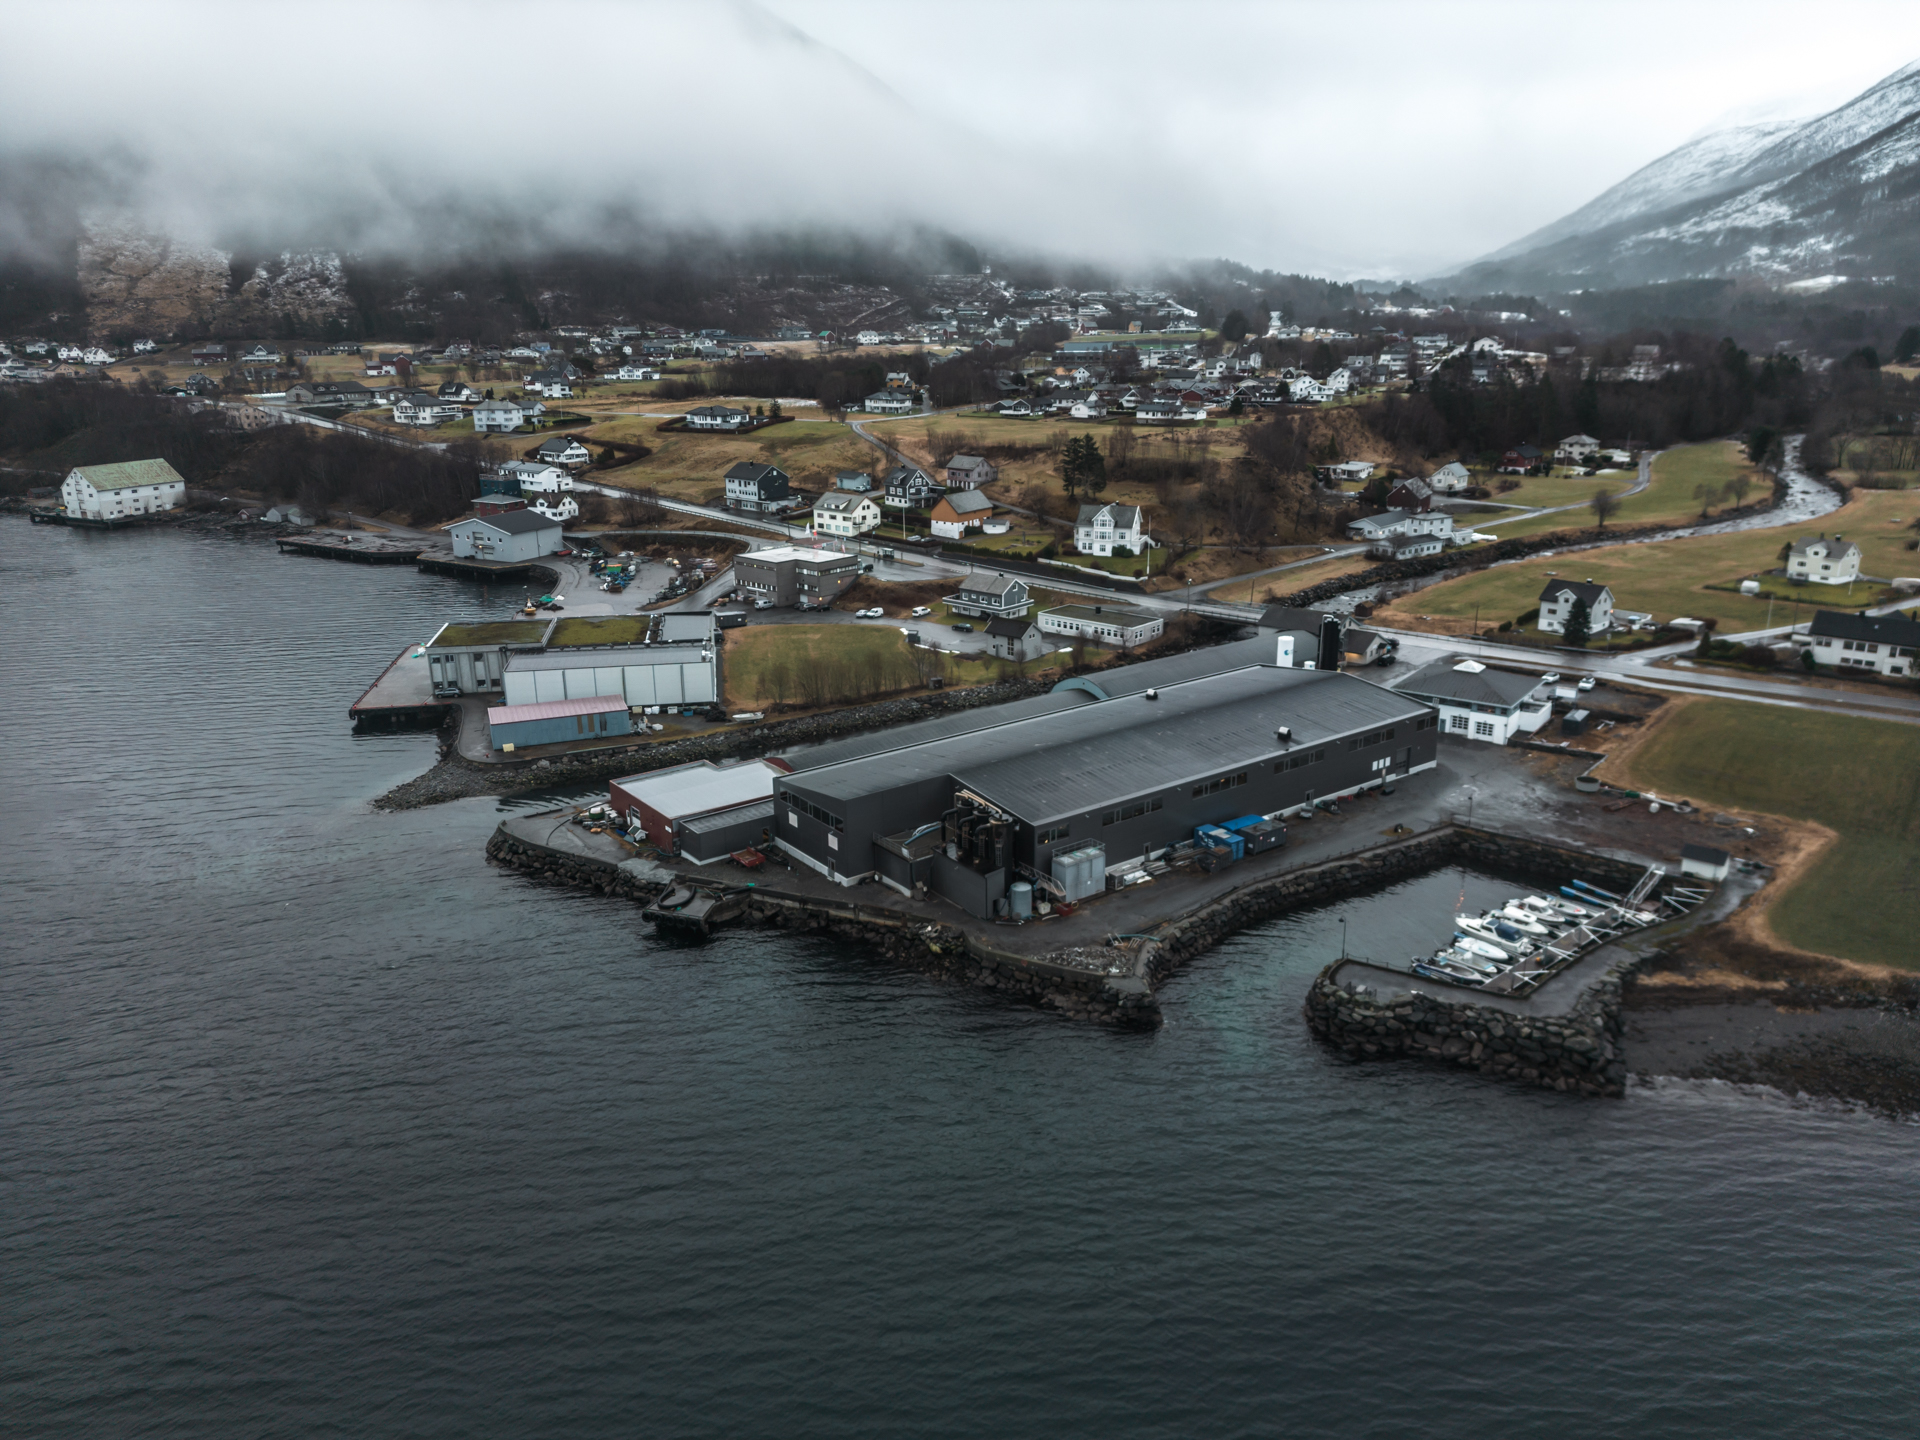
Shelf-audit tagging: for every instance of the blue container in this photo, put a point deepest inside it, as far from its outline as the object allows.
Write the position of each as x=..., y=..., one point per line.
x=1227, y=839
x=1245, y=822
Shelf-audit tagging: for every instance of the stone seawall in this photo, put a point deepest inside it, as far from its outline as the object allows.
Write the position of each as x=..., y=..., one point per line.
x=1577, y=1051
x=944, y=951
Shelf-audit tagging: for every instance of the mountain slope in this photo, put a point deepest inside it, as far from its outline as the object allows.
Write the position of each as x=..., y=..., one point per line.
x=1697, y=169
x=1838, y=194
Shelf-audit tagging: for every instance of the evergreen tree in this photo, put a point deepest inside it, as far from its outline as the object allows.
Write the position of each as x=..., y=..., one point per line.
x=1579, y=624
x=1083, y=467
x=1907, y=348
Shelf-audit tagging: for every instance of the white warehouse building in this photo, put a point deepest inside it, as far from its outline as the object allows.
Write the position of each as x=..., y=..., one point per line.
x=114, y=492
x=643, y=674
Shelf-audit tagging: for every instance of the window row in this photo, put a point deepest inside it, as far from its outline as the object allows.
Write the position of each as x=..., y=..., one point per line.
x=1130, y=812
x=1294, y=762
x=1047, y=837
x=1214, y=787
x=807, y=807
x=1370, y=739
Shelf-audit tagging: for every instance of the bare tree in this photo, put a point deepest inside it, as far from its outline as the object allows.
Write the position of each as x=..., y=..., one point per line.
x=1605, y=504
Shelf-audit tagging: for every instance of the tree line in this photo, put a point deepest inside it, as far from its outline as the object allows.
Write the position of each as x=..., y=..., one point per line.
x=62, y=424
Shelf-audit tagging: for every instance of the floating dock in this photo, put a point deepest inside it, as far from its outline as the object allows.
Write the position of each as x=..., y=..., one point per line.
x=361, y=552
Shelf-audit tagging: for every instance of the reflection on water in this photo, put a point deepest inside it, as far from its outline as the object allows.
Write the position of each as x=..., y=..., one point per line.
x=318, y=1124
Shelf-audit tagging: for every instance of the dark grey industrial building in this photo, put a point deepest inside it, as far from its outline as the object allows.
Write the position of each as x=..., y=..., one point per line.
x=1124, y=763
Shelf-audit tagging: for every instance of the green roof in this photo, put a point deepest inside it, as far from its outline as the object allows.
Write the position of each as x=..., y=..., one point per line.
x=129, y=473
x=601, y=630
x=491, y=632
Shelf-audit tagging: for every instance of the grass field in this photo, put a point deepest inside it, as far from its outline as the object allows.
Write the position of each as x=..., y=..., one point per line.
x=1672, y=577
x=1669, y=498
x=1861, y=778
x=839, y=664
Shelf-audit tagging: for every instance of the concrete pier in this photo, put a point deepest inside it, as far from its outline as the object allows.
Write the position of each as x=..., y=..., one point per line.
x=360, y=552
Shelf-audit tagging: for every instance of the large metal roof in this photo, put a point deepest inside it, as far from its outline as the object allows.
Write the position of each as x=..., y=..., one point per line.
x=1067, y=762
x=607, y=655
x=1474, y=685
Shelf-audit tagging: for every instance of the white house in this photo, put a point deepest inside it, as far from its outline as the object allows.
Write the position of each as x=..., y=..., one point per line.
x=497, y=416
x=419, y=408
x=889, y=402
x=1100, y=529
x=1109, y=624
x=561, y=450
x=969, y=472
x=1477, y=702
x=144, y=347
x=1823, y=560
x=1305, y=390
x=1338, y=383
x=1450, y=479
x=94, y=355
x=1556, y=605
x=114, y=492
x=1887, y=644
x=717, y=417
x=1088, y=407
x=533, y=478
x=550, y=383
x=635, y=371
x=1576, y=449
x=510, y=536
x=840, y=512
x=1401, y=522
x=868, y=337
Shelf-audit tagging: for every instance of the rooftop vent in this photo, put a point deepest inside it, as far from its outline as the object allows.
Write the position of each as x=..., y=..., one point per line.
x=1153, y=694
x=1471, y=667
x=1283, y=733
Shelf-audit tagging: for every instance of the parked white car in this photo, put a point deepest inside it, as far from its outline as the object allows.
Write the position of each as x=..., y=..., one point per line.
x=1586, y=683
x=920, y=612
x=874, y=613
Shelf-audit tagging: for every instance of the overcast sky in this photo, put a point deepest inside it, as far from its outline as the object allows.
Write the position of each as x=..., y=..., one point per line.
x=1355, y=138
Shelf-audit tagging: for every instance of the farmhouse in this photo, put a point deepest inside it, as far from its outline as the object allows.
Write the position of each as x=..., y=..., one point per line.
x=759, y=489
x=561, y=450
x=114, y=492
x=1479, y=703
x=889, y=402
x=1823, y=560
x=1101, y=528
x=1406, y=547
x=909, y=487
x=857, y=481
x=1576, y=449
x=717, y=417
x=1401, y=522
x=1556, y=605
x=997, y=596
x=1450, y=479
x=969, y=472
x=1885, y=644
x=498, y=416
x=1346, y=470
x=840, y=513
x=956, y=513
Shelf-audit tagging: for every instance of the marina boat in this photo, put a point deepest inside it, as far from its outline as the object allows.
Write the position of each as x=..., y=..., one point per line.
x=1490, y=932
x=1458, y=956
x=1520, y=919
x=1512, y=943
x=1479, y=947
x=1592, y=889
x=1551, y=906
x=1436, y=970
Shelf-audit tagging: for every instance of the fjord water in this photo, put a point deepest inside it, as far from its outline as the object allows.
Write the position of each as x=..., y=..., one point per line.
x=316, y=1124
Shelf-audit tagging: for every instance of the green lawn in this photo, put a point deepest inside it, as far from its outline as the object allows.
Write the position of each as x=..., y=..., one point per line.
x=838, y=664
x=1859, y=777
x=1668, y=499
x=1680, y=577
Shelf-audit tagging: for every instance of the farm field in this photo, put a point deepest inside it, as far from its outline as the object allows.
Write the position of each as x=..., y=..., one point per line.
x=840, y=664
x=1668, y=499
x=1675, y=577
x=1858, y=777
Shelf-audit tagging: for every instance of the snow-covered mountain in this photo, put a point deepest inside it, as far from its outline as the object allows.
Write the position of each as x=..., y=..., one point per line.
x=1835, y=195
x=1698, y=168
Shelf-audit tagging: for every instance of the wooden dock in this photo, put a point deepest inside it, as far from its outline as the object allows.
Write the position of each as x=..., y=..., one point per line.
x=469, y=569
x=361, y=552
